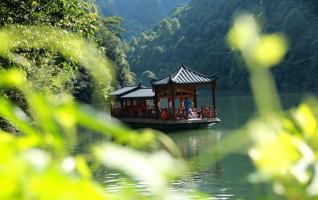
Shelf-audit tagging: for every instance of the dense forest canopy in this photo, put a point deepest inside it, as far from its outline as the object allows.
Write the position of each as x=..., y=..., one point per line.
x=196, y=33
x=138, y=15
x=75, y=16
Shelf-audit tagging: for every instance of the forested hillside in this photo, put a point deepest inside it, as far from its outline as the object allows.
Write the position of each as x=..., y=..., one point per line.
x=138, y=15
x=196, y=34
x=78, y=17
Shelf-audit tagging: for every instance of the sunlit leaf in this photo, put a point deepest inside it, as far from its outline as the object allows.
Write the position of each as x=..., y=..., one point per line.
x=313, y=187
x=273, y=153
x=82, y=167
x=68, y=164
x=12, y=78
x=153, y=169
x=270, y=50
x=244, y=33
x=307, y=121
x=7, y=112
x=37, y=158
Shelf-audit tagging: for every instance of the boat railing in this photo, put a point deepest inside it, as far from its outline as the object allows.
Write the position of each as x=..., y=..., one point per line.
x=203, y=113
x=208, y=112
x=131, y=112
x=164, y=113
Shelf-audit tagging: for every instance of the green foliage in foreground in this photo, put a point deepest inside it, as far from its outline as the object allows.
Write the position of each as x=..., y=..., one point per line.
x=37, y=162
x=284, y=144
x=38, y=165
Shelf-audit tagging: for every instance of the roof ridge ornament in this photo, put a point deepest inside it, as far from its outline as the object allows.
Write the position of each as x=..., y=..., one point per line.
x=152, y=80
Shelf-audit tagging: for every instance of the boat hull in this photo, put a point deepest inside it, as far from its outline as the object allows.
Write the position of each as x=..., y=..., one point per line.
x=168, y=125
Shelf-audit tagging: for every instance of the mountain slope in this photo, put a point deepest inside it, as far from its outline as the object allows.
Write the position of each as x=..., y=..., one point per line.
x=138, y=15
x=196, y=35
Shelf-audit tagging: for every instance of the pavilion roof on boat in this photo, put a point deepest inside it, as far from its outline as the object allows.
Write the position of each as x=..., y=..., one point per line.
x=184, y=75
x=182, y=85
x=117, y=94
x=140, y=93
x=124, y=90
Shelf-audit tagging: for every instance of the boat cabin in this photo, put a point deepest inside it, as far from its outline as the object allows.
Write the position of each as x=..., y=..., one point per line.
x=173, y=98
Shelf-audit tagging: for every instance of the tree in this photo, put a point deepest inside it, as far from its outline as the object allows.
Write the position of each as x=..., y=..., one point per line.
x=147, y=76
x=138, y=15
x=196, y=34
x=109, y=34
x=76, y=16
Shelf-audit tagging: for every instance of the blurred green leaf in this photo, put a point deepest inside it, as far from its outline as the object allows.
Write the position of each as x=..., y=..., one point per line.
x=270, y=50
x=152, y=169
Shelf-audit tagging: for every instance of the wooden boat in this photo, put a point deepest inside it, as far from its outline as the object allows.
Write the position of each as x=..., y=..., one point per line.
x=170, y=104
x=170, y=125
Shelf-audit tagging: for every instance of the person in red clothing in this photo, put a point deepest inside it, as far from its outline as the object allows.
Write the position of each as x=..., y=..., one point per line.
x=164, y=115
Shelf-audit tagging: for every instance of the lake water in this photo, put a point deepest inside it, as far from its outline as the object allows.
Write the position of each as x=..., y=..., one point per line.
x=221, y=178
x=225, y=178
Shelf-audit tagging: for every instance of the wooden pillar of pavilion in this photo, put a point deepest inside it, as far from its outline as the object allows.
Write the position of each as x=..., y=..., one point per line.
x=156, y=101
x=172, y=92
x=214, y=98
x=195, y=101
x=111, y=105
x=181, y=102
x=122, y=104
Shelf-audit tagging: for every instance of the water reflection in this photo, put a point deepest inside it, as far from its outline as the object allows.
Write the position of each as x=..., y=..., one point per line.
x=195, y=144
x=208, y=173
x=223, y=179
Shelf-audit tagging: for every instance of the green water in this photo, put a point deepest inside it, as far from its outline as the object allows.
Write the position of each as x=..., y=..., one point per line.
x=221, y=178
x=225, y=178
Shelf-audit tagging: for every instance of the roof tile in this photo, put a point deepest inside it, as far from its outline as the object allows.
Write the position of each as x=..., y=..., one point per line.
x=184, y=75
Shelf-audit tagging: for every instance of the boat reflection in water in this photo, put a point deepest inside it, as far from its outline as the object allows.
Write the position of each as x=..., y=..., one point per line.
x=211, y=172
x=201, y=150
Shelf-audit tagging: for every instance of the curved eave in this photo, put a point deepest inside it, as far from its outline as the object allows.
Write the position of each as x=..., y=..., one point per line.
x=184, y=76
x=189, y=83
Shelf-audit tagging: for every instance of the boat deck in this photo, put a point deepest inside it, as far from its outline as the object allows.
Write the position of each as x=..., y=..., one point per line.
x=170, y=125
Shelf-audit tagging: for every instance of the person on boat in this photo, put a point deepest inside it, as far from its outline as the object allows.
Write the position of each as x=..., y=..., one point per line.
x=207, y=112
x=187, y=105
x=192, y=114
x=139, y=110
x=164, y=115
